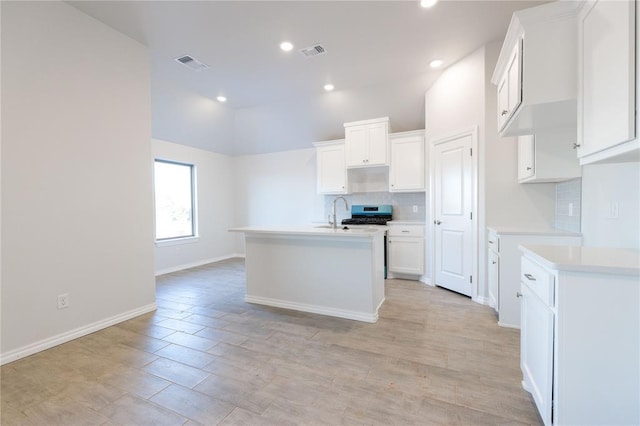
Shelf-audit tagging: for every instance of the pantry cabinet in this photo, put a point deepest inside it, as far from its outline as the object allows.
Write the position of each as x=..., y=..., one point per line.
x=331, y=168
x=405, y=246
x=548, y=156
x=407, y=166
x=536, y=70
x=607, y=81
x=366, y=142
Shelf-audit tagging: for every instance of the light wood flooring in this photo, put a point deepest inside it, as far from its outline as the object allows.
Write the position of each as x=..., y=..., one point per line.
x=207, y=357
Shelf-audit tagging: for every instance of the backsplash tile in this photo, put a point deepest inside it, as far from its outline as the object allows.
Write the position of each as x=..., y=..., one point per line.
x=402, y=203
x=568, y=202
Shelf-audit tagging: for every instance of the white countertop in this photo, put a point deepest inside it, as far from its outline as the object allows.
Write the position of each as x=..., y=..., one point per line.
x=313, y=230
x=510, y=230
x=585, y=259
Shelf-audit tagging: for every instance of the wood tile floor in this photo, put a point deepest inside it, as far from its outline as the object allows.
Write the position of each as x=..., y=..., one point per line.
x=206, y=357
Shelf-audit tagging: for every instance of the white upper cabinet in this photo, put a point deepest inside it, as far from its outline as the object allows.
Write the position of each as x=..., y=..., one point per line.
x=536, y=70
x=406, y=169
x=331, y=168
x=366, y=142
x=548, y=156
x=607, y=80
x=509, y=87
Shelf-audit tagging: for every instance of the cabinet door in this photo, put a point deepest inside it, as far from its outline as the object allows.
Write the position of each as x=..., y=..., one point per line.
x=406, y=255
x=606, y=85
x=493, y=275
x=332, y=173
x=536, y=351
x=406, y=170
x=356, y=144
x=514, y=78
x=526, y=156
x=377, y=141
x=503, y=101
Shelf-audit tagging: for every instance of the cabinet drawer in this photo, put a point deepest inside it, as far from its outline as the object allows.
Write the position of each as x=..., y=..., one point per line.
x=406, y=231
x=539, y=280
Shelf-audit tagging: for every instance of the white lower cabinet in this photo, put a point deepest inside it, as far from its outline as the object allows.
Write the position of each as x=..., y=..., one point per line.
x=502, y=246
x=580, y=334
x=536, y=344
x=405, y=249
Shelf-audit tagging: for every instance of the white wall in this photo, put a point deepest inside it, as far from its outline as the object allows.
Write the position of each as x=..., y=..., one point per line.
x=215, y=209
x=76, y=176
x=464, y=97
x=276, y=189
x=603, y=185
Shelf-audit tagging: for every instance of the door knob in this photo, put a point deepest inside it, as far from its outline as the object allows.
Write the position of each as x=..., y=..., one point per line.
x=576, y=145
x=518, y=294
x=504, y=112
x=437, y=222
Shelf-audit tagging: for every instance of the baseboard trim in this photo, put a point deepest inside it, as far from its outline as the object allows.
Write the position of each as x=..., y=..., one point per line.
x=501, y=324
x=314, y=309
x=196, y=264
x=483, y=300
x=67, y=336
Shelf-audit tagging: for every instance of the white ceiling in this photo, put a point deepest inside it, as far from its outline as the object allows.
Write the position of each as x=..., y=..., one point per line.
x=368, y=42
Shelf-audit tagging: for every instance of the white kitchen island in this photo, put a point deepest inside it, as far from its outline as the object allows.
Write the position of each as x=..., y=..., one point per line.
x=322, y=270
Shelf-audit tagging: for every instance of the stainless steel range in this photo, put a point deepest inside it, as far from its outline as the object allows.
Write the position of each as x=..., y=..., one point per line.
x=369, y=215
x=372, y=215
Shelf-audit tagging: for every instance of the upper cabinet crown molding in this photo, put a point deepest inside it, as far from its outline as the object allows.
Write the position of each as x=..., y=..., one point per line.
x=536, y=70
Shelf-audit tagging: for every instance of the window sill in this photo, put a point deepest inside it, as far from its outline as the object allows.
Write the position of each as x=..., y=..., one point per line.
x=177, y=241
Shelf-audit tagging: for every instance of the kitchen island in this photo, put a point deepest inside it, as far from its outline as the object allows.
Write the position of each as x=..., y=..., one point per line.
x=337, y=272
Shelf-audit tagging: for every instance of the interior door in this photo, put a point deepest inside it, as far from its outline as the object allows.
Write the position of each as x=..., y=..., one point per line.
x=453, y=202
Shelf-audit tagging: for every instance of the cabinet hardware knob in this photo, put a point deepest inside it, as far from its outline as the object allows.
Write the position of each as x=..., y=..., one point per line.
x=530, y=277
x=493, y=262
x=518, y=294
x=504, y=112
x=576, y=145
x=490, y=242
x=528, y=168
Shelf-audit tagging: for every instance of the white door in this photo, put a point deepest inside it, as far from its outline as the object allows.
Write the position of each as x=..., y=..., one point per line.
x=453, y=202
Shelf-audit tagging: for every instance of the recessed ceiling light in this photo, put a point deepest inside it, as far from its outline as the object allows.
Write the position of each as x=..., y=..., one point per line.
x=328, y=87
x=436, y=63
x=221, y=99
x=428, y=3
x=286, y=46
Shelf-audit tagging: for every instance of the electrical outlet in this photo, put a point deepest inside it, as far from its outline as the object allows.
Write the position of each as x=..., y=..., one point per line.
x=570, y=209
x=63, y=301
x=415, y=209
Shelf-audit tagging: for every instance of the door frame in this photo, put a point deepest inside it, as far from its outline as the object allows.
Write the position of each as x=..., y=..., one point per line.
x=438, y=140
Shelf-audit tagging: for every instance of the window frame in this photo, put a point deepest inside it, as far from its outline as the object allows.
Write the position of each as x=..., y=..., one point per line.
x=194, y=207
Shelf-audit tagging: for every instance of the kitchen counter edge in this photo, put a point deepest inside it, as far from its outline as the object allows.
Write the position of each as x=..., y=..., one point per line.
x=311, y=231
x=585, y=259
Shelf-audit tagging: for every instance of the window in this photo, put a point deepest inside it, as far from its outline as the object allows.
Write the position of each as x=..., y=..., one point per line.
x=175, y=200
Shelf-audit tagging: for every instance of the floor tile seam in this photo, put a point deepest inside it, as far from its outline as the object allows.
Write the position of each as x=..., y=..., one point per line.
x=181, y=363
x=148, y=401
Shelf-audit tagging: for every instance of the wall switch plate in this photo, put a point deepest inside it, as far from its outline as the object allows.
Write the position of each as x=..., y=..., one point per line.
x=63, y=301
x=415, y=209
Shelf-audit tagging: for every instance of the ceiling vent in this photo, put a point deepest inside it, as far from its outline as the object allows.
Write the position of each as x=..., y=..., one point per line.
x=315, y=50
x=192, y=63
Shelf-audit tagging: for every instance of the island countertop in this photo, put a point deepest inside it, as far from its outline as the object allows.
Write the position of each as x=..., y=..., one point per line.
x=311, y=230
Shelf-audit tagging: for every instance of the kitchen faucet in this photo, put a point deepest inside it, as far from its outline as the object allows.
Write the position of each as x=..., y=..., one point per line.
x=333, y=211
